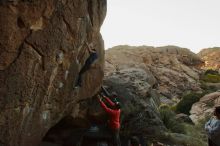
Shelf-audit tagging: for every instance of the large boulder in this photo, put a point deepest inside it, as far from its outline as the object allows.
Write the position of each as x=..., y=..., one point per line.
x=139, y=101
x=205, y=107
x=42, y=49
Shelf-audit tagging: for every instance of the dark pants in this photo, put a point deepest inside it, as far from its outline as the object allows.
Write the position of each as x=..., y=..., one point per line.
x=88, y=63
x=116, y=137
x=211, y=143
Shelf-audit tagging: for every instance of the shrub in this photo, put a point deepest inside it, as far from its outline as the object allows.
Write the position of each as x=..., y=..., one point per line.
x=182, y=133
x=211, y=78
x=164, y=106
x=173, y=108
x=187, y=101
x=210, y=71
x=198, y=131
x=168, y=118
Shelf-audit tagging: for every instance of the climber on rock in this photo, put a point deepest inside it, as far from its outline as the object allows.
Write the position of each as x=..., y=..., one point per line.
x=89, y=61
x=212, y=128
x=113, y=118
x=114, y=97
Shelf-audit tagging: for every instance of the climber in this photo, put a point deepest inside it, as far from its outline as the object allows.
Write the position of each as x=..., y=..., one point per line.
x=212, y=128
x=90, y=60
x=114, y=118
x=113, y=96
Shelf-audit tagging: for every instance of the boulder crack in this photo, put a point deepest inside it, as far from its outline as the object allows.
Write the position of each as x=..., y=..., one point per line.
x=68, y=26
x=38, y=52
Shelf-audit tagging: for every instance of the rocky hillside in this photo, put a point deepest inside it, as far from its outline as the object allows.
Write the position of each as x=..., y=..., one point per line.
x=170, y=70
x=42, y=49
x=145, y=77
x=211, y=57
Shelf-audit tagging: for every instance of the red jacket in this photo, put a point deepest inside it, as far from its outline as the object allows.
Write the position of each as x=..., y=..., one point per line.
x=114, y=115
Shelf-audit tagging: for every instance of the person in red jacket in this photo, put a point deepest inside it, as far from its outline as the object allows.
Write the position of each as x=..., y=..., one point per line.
x=114, y=118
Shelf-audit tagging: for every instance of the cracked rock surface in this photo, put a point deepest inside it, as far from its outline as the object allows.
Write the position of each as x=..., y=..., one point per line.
x=42, y=49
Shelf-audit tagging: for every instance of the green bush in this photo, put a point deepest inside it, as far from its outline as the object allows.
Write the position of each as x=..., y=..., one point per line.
x=164, y=106
x=197, y=131
x=173, y=108
x=168, y=118
x=187, y=101
x=211, y=78
x=182, y=133
x=210, y=71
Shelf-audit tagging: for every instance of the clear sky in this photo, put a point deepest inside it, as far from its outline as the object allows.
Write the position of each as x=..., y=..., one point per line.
x=194, y=24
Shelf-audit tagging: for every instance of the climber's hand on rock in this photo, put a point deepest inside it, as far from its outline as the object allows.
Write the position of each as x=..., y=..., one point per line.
x=100, y=97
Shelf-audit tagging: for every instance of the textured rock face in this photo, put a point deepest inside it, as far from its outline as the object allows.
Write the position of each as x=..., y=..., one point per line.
x=140, y=102
x=183, y=118
x=205, y=106
x=211, y=58
x=141, y=75
x=170, y=70
x=42, y=49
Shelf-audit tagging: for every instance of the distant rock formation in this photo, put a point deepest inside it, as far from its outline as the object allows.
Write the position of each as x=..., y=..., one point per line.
x=205, y=107
x=170, y=70
x=42, y=48
x=211, y=57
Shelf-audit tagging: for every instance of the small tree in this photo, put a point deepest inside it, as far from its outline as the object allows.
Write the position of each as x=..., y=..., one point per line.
x=168, y=118
x=185, y=104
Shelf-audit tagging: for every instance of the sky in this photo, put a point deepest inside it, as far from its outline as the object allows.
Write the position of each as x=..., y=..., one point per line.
x=192, y=24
